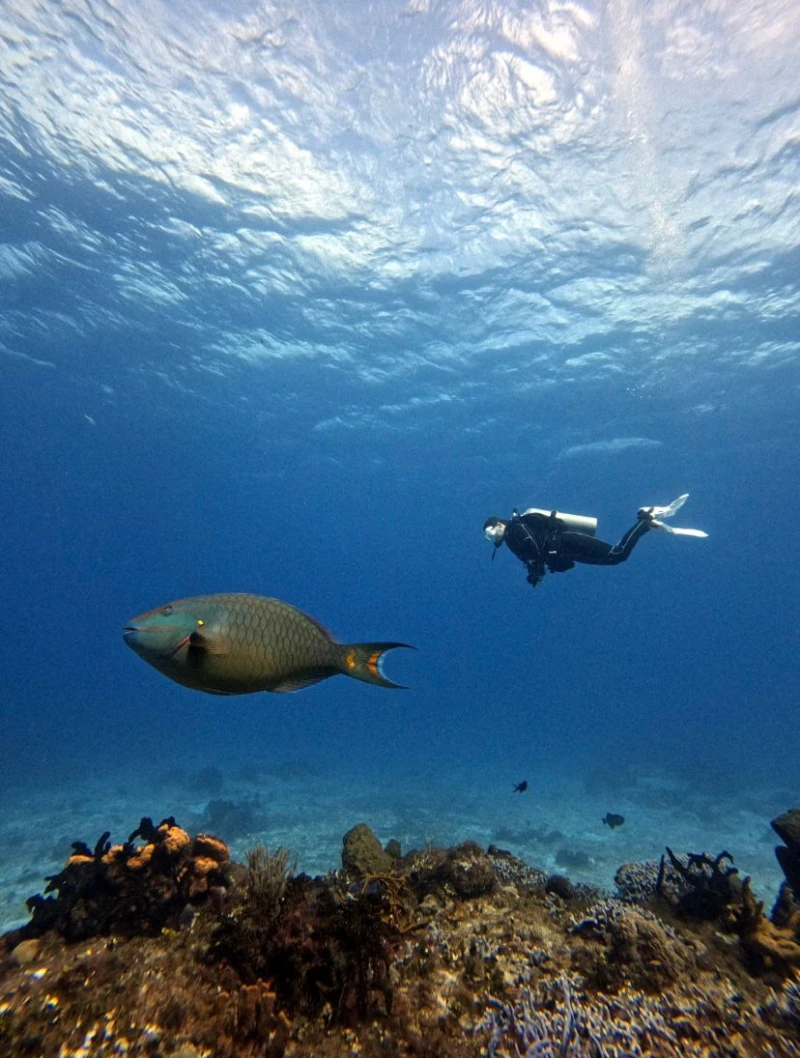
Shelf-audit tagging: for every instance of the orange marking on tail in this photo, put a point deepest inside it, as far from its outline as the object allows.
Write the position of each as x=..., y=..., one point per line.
x=372, y=662
x=351, y=659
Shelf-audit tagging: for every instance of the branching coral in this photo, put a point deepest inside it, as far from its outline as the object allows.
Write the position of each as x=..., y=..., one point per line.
x=537, y=1032
x=565, y=1020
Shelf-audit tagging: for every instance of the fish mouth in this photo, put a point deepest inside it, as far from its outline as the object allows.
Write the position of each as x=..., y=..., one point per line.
x=136, y=637
x=132, y=637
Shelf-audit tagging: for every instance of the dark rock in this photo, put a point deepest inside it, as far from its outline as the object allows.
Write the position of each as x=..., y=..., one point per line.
x=785, y=907
x=787, y=827
x=26, y=952
x=561, y=886
x=362, y=853
x=495, y=850
x=392, y=848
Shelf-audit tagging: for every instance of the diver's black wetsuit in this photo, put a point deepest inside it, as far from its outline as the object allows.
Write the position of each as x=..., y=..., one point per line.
x=541, y=540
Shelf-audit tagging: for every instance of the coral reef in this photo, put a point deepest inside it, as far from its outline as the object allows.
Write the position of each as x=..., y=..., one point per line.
x=130, y=888
x=705, y=888
x=465, y=872
x=768, y=948
x=327, y=949
x=544, y=1031
x=699, y=886
x=562, y=1019
x=511, y=870
x=634, y=948
x=162, y=947
x=637, y=882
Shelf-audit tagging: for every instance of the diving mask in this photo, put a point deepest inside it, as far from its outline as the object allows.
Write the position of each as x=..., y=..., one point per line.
x=494, y=531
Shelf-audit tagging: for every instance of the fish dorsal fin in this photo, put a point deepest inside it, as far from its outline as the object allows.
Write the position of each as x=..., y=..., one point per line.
x=321, y=627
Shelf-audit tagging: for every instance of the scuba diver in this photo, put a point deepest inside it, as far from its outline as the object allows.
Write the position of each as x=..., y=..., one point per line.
x=553, y=540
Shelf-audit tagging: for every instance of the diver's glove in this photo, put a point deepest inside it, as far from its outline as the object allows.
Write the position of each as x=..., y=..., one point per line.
x=654, y=516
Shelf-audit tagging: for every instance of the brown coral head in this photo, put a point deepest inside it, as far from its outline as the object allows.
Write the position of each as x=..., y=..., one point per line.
x=174, y=840
x=206, y=846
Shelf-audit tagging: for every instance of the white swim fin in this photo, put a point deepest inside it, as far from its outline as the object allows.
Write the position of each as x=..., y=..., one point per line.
x=676, y=531
x=667, y=512
x=657, y=513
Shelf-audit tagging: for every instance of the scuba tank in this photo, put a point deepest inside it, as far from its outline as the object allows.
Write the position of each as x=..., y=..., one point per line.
x=577, y=523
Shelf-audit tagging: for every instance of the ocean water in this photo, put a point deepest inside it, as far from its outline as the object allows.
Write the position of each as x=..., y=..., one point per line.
x=292, y=297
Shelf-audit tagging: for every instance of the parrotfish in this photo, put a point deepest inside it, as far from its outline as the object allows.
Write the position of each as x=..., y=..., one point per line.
x=240, y=643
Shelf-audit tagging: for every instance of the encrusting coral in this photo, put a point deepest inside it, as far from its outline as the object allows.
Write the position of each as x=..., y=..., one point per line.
x=163, y=947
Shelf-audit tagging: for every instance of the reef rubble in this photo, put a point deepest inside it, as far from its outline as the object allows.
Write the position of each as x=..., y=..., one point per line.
x=161, y=946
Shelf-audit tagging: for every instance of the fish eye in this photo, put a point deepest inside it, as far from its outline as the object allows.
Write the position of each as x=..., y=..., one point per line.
x=167, y=611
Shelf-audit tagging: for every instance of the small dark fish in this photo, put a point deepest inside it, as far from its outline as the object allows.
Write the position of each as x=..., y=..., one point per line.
x=521, y=787
x=613, y=820
x=240, y=643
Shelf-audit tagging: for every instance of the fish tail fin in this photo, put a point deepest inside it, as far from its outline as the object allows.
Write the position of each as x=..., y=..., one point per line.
x=364, y=661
